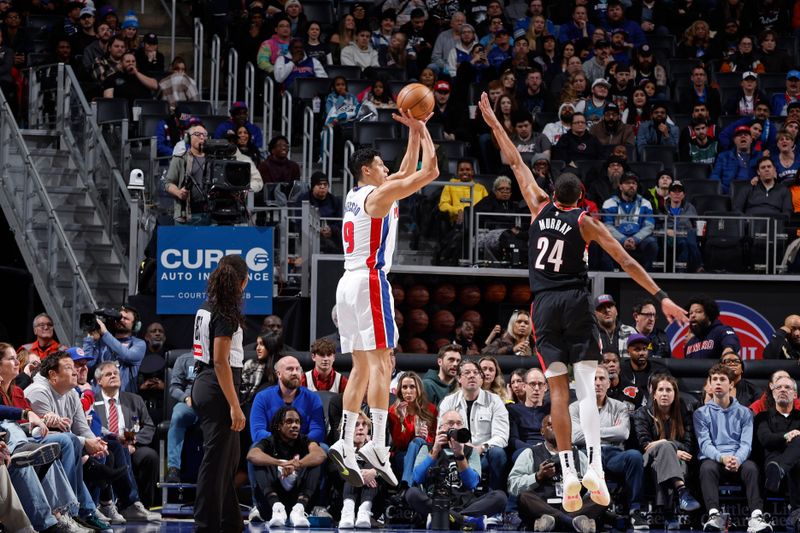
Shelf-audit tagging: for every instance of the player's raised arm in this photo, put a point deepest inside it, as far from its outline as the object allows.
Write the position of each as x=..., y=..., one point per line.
x=594, y=230
x=533, y=194
x=381, y=199
x=411, y=157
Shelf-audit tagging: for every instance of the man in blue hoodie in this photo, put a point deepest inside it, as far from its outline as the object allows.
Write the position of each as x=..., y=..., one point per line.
x=724, y=429
x=629, y=218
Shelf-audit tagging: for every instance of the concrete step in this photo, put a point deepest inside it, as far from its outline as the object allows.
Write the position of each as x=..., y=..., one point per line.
x=41, y=138
x=87, y=253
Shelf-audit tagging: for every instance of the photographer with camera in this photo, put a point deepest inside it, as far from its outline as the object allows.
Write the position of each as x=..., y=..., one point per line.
x=118, y=345
x=184, y=180
x=449, y=471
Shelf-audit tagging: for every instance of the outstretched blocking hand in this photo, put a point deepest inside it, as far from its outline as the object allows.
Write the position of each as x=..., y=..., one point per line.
x=488, y=113
x=674, y=312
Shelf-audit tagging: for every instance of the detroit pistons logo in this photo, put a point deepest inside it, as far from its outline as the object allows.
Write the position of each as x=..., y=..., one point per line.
x=753, y=330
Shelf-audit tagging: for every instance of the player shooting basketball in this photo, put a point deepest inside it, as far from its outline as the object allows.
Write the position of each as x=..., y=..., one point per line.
x=364, y=302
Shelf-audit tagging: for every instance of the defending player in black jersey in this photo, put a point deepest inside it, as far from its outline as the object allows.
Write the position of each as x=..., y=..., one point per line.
x=564, y=322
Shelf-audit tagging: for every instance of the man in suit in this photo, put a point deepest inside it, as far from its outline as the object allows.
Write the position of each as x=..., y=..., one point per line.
x=120, y=412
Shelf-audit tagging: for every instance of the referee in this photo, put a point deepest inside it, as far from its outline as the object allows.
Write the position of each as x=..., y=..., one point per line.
x=219, y=355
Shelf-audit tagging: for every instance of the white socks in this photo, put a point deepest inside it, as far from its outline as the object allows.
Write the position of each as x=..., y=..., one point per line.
x=584, y=372
x=378, y=417
x=349, y=419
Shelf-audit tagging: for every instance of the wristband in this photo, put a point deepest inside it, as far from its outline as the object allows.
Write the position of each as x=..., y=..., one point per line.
x=660, y=295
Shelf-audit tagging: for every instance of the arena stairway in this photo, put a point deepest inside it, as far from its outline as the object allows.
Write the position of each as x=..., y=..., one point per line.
x=61, y=224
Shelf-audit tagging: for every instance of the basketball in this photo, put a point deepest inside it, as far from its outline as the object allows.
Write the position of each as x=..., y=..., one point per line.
x=416, y=345
x=520, y=294
x=417, y=296
x=417, y=321
x=417, y=99
x=399, y=319
x=398, y=294
x=474, y=317
x=469, y=295
x=445, y=294
x=443, y=322
x=494, y=293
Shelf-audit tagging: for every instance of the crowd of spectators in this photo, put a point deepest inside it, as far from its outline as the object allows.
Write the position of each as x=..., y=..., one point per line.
x=80, y=418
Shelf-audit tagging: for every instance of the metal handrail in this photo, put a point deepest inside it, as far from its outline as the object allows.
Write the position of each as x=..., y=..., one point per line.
x=308, y=143
x=171, y=14
x=197, y=51
x=347, y=177
x=286, y=118
x=34, y=186
x=233, y=78
x=326, y=153
x=250, y=90
x=268, y=111
x=216, y=47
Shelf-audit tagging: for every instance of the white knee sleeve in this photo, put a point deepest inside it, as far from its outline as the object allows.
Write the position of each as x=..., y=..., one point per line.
x=555, y=369
x=590, y=417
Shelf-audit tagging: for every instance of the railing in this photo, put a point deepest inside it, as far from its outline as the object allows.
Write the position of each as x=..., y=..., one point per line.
x=198, y=54
x=347, y=176
x=21, y=210
x=308, y=143
x=250, y=91
x=233, y=78
x=286, y=118
x=326, y=154
x=216, y=47
x=57, y=102
x=170, y=9
x=268, y=111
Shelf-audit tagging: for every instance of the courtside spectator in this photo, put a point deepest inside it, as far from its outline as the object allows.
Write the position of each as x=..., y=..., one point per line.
x=323, y=377
x=439, y=383
x=711, y=339
x=45, y=343
x=785, y=341
x=183, y=415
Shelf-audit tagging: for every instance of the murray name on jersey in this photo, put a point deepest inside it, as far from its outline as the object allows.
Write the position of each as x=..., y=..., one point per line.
x=554, y=223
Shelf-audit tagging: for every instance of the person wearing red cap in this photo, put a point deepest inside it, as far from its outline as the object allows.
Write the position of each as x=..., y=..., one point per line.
x=737, y=163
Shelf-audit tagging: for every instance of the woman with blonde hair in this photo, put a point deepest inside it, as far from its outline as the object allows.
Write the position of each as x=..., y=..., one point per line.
x=696, y=41
x=516, y=340
x=536, y=31
x=493, y=377
x=412, y=424
x=574, y=90
x=344, y=35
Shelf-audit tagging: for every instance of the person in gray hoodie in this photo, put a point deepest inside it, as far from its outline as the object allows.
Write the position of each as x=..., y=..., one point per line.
x=440, y=383
x=724, y=430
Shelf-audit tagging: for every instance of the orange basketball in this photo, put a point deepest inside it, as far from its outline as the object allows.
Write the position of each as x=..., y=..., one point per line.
x=443, y=322
x=416, y=98
x=417, y=321
x=444, y=294
x=398, y=294
x=494, y=293
x=416, y=345
x=474, y=317
x=469, y=295
x=520, y=293
x=417, y=296
x=399, y=319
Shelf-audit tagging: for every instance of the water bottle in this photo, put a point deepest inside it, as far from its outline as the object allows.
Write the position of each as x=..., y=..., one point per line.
x=136, y=426
x=316, y=104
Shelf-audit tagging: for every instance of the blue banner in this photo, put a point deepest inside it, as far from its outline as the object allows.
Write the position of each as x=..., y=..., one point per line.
x=188, y=255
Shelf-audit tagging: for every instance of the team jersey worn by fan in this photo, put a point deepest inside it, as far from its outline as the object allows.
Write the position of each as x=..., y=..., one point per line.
x=364, y=302
x=368, y=243
x=556, y=249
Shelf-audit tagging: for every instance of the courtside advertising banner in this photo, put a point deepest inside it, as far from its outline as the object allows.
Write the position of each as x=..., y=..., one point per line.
x=188, y=255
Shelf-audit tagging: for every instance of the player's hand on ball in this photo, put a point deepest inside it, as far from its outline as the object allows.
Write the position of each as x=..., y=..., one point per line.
x=673, y=311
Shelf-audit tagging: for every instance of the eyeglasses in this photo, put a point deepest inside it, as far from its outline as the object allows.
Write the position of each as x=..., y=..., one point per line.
x=648, y=315
x=45, y=325
x=731, y=362
x=200, y=134
x=537, y=384
x=470, y=373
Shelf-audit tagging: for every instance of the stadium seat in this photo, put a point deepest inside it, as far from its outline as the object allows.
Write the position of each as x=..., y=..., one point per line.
x=709, y=203
x=385, y=73
x=435, y=128
x=698, y=186
x=646, y=170
x=657, y=152
x=729, y=80
x=390, y=149
x=212, y=121
x=321, y=12
x=385, y=114
x=682, y=120
x=690, y=171
x=357, y=86
x=151, y=106
x=584, y=166
x=308, y=88
x=111, y=110
x=349, y=72
x=724, y=241
x=663, y=43
x=738, y=186
x=453, y=149
x=366, y=132
x=199, y=107
x=147, y=126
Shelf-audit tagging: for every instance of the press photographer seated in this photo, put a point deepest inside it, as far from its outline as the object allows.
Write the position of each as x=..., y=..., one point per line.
x=447, y=473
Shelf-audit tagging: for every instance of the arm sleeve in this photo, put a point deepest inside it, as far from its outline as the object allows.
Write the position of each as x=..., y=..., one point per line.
x=446, y=202
x=283, y=67
x=11, y=413
x=621, y=429
x=523, y=474
x=316, y=430
x=704, y=442
x=731, y=341
x=176, y=388
x=421, y=466
x=470, y=477
x=768, y=439
x=746, y=444
x=263, y=59
x=258, y=418
x=319, y=70
x=499, y=424
x=641, y=426
x=774, y=349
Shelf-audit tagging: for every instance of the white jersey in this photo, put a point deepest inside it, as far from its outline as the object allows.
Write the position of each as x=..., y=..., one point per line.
x=206, y=328
x=368, y=242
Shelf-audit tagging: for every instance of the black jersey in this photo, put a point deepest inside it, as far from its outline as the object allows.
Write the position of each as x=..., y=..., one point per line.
x=556, y=250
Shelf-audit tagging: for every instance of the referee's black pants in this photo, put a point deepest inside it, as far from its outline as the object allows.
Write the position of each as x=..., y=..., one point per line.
x=216, y=508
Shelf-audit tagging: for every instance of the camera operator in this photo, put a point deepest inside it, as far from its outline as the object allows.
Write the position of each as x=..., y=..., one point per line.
x=119, y=346
x=185, y=180
x=455, y=474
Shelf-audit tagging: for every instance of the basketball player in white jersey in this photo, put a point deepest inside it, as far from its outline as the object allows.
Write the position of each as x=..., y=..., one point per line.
x=364, y=303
